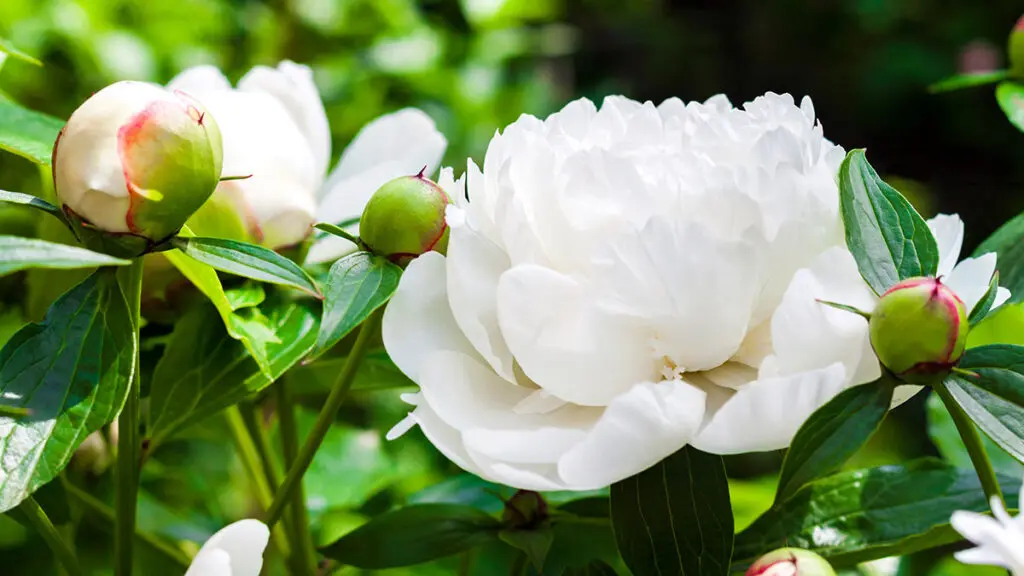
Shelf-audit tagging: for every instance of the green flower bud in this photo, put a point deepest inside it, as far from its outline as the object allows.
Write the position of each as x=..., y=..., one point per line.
x=919, y=330
x=133, y=163
x=1016, y=49
x=405, y=218
x=791, y=562
x=524, y=510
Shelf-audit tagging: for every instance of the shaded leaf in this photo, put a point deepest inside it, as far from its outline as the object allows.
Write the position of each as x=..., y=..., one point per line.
x=26, y=133
x=833, y=434
x=888, y=238
x=999, y=369
x=72, y=372
x=1001, y=421
x=375, y=372
x=535, y=543
x=674, y=518
x=1010, y=96
x=17, y=253
x=247, y=260
x=357, y=285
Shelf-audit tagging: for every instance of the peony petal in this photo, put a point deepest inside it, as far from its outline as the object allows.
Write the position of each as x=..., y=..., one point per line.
x=636, y=431
x=949, y=236
x=199, y=81
x=765, y=414
x=243, y=542
x=997, y=544
x=446, y=439
x=970, y=279
x=292, y=85
x=544, y=445
x=213, y=562
x=1002, y=295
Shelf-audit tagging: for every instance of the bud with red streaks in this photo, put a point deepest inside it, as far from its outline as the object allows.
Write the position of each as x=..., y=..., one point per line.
x=405, y=218
x=791, y=562
x=919, y=330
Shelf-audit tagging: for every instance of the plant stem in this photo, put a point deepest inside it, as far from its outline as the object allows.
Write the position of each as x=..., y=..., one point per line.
x=302, y=539
x=247, y=451
x=98, y=508
x=325, y=418
x=267, y=458
x=126, y=480
x=41, y=522
x=972, y=440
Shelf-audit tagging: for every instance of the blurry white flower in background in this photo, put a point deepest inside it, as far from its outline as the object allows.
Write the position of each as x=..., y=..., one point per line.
x=235, y=550
x=999, y=540
x=275, y=129
x=625, y=281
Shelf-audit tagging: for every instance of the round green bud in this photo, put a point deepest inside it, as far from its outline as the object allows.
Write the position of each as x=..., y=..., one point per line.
x=405, y=218
x=524, y=510
x=791, y=562
x=1015, y=49
x=919, y=330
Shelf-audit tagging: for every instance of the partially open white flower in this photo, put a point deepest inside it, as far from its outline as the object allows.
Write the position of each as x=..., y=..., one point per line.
x=1000, y=540
x=236, y=550
x=625, y=281
x=276, y=136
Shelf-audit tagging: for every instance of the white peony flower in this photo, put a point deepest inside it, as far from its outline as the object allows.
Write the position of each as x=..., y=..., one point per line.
x=1000, y=540
x=275, y=129
x=625, y=281
x=236, y=550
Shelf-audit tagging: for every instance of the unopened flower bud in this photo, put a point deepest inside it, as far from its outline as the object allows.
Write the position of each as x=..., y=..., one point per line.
x=791, y=562
x=133, y=163
x=1016, y=49
x=919, y=329
x=405, y=218
x=525, y=509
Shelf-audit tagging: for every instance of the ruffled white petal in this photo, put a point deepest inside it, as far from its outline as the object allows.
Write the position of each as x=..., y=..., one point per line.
x=200, y=81
x=970, y=279
x=241, y=543
x=949, y=236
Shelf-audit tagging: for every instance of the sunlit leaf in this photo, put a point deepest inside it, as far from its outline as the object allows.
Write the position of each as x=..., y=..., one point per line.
x=27, y=133
x=17, y=253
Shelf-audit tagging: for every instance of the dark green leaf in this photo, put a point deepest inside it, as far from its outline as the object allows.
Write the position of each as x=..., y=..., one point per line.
x=1010, y=96
x=203, y=370
x=247, y=260
x=674, y=518
x=7, y=48
x=413, y=535
x=357, y=285
x=27, y=133
x=535, y=543
x=17, y=253
x=1008, y=244
x=53, y=499
x=999, y=369
x=72, y=372
x=888, y=238
x=1001, y=421
x=32, y=202
x=961, y=81
x=981, y=309
x=833, y=434
x=864, y=515
x=595, y=568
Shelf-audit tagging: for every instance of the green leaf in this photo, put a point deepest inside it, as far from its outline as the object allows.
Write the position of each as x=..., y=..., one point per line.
x=535, y=543
x=999, y=369
x=1008, y=244
x=7, y=48
x=982, y=308
x=413, y=535
x=32, y=202
x=961, y=81
x=1010, y=96
x=833, y=434
x=1001, y=421
x=864, y=515
x=357, y=285
x=26, y=133
x=72, y=372
x=18, y=253
x=674, y=518
x=888, y=238
x=943, y=433
x=1004, y=325
x=595, y=568
x=203, y=370
x=247, y=260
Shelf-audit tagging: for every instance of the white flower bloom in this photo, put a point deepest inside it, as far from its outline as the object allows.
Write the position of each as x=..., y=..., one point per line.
x=236, y=550
x=622, y=282
x=275, y=129
x=1000, y=540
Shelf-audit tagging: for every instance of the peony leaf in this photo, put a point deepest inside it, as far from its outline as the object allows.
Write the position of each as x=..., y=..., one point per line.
x=413, y=535
x=1010, y=96
x=26, y=133
x=888, y=238
x=376, y=372
x=7, y=48
x=204, y=370
x=356, y=285
x=997, y=369
x=32, y=202
x=1008, y=244
x=675, y=518
x=1001, y=421
x=247, y=260
x=535, y=543
x=833, y=433
x=864, y=515
x=18, y=253
x=961, y=81
x=71, y=373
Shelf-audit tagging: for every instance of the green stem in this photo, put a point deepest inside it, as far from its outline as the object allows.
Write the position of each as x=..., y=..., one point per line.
x=247, y=451
x=126, y=479
x=518, y=567
x=267, y=458
x=972, y=440
x=302, y=538
x=41, y=522
x=324, y=419
x=97, y=507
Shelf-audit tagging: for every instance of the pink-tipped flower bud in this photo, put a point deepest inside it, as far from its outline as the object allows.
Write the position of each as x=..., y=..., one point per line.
x=919, y=330
x=791, y=562
x=405, y=218
x=133, y=163
x=1015, y=49
x=524, y=510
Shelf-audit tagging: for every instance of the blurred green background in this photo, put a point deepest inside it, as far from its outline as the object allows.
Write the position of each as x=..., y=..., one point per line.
x=474, y=66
